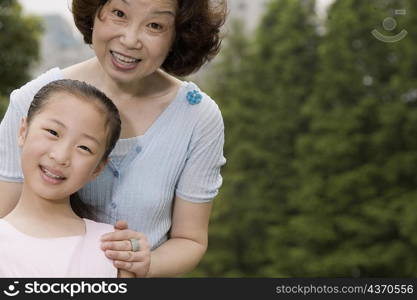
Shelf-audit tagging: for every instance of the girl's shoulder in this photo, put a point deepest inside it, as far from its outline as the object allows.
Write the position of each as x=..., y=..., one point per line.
x=97, y=228
x=8, y=231
x=5, y=228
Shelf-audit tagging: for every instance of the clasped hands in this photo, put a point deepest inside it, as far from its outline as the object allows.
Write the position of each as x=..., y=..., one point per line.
x=118, y=247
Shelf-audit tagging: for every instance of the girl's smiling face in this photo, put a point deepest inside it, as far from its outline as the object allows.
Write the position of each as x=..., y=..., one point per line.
x=62, y=146
x=132, y=38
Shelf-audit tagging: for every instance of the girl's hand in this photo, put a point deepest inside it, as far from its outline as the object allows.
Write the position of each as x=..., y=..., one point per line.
x=117, y=246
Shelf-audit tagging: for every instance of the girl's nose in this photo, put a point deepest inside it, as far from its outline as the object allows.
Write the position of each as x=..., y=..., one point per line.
x=61, y=155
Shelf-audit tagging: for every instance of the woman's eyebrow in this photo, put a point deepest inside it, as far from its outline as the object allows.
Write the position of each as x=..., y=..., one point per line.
x=164, y=12
x=168, y=12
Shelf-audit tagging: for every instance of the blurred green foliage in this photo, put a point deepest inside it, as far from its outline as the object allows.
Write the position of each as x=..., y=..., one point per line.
x=3, y=105
x=320, y=141
x=19, y=48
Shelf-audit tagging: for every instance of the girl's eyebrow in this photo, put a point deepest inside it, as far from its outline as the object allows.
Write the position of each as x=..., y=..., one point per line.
x=93, y=139
x=84, y=134
x=58, y=122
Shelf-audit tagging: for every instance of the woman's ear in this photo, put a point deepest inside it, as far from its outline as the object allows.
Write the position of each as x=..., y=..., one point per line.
x=22, y=131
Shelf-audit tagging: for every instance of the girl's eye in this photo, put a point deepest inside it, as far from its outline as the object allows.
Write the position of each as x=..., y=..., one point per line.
x=118, y=13
x=53, y=132
x=155, y=26
x=85, y=148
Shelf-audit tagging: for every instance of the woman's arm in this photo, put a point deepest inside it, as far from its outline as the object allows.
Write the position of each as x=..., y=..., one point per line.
x=10, y=193
x=187, y=243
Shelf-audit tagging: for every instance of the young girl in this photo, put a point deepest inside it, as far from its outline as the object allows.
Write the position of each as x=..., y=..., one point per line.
x=70, y=129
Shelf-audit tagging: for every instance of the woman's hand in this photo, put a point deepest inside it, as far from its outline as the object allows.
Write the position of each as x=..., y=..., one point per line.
x=117, y=246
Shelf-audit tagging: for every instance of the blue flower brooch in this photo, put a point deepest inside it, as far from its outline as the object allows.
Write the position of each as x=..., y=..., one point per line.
x=194, y=97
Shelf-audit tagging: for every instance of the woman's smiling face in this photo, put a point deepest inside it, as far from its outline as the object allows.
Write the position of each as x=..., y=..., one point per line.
x=132, y=38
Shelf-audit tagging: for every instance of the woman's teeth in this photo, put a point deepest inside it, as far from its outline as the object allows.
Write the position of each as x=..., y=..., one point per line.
x=124, y=59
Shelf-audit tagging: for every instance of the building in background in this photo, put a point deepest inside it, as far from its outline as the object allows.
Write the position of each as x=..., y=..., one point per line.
x=60, y=45
x=250, y=11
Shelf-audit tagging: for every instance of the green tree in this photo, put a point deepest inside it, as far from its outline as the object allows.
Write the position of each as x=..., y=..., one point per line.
x=287, y=40
x=353, y=211
x=231, y=83
x=19, y=47
x=260, y=84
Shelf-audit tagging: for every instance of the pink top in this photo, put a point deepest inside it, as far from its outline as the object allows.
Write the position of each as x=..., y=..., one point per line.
x=22, y=255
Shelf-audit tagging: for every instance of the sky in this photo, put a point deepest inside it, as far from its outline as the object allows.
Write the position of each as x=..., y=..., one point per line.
x=43, y=7
x=61, y=7
x=47, y=7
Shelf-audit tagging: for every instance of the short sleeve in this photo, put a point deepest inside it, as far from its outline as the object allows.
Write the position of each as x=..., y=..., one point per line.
x=200, y=179
x=10, y=169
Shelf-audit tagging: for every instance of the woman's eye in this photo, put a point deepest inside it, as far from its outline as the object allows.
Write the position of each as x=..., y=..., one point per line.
x=118, y=13
x=53, y=132
x=155, y=26
x=85, y=148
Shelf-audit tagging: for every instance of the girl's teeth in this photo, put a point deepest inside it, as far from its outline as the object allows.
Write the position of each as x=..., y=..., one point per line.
x=49, y=174
x=123, y=58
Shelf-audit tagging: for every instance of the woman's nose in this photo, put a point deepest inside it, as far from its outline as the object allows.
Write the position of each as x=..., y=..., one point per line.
x=131, y=38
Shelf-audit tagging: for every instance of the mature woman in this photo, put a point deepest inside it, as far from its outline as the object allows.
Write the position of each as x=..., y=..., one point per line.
x=165, y=170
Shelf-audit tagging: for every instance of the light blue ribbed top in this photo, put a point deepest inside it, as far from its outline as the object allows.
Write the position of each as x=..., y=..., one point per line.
x=181, y=154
